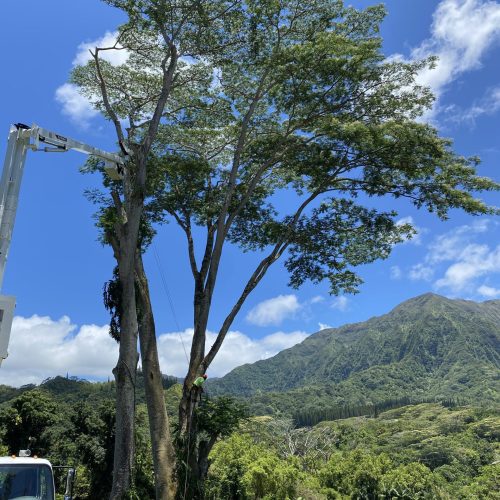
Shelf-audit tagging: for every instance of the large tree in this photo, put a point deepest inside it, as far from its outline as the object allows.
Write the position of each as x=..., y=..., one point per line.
x=136, y=96
x=232, y=106
x=303, y=106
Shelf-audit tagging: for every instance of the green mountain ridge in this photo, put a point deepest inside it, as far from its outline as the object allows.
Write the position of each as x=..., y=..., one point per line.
x=428, y=347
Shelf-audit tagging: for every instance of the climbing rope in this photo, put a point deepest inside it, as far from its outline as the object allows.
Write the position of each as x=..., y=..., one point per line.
x=188, y=451
x=169, y=298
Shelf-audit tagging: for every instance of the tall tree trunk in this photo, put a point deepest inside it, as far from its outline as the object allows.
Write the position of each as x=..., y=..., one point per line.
x=193, y=487
x=125, y=376
x=161, y=439
x=189, y=400
x=127, y=232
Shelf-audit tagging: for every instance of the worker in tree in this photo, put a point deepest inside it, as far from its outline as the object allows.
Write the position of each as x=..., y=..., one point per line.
x=198, y=386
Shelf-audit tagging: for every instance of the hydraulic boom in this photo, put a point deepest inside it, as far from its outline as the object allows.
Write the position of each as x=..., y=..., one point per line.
x=21, y=139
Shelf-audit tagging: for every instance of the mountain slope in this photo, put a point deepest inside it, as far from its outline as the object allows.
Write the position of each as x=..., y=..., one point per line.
x=429, y=346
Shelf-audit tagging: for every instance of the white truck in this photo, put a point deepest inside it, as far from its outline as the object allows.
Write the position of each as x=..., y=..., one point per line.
x=24, y=477
x=30, y=478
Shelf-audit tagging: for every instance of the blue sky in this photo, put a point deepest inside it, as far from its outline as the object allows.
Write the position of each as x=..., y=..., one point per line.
x=56, y=267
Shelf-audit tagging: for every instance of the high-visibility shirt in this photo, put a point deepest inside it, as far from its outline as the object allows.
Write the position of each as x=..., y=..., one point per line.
x=199, y=382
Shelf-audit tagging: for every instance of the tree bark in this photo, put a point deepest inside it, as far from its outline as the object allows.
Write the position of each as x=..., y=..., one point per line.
x=205, y=448
x=127, y=234
x=161, y=439
x=125, y=376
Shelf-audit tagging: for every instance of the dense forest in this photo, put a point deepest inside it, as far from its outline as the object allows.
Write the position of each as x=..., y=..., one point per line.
x=428, y=450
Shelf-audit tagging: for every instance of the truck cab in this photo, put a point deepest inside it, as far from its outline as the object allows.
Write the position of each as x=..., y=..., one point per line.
x=26, y=478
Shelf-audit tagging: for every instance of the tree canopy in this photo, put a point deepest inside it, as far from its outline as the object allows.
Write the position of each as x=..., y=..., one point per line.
x=231, y=107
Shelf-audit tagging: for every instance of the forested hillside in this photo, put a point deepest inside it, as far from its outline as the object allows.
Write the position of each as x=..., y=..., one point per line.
x=415, y=452
x=400, y=406
x=427, y=348
x=421, y=451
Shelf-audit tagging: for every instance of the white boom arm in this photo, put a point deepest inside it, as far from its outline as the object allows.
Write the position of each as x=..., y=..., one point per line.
x=21, y=139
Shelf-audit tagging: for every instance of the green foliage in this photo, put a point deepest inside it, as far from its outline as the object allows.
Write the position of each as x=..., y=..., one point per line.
x=268, y=477
x=28, y=416
x=359, y=458
x=78, y=434
x=242, y=470
x=143, y=485
x=219, y=417
x=484, y=486
x=214, y=418
x=93, y=435
x=436, y=451
x=270, y=96
x=112, y=292
x=354, y=474
x=411, y=481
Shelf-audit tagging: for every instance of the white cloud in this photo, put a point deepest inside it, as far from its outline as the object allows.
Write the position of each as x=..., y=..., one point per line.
x=421, y=272
x=488, y=105
x=115, y=57
x=78, y=108
x=461, y=33
x=461, y=260
x=473, y=262
x=340, y=303
x=489, y=292
x=41, y=347
x=324, y=326
x=317, y=299
x=396, y=272
x=448, y=246
x=236, y=350
x=274, y=311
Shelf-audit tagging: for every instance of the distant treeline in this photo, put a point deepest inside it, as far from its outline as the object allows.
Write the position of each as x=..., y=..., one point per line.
x=311, y=416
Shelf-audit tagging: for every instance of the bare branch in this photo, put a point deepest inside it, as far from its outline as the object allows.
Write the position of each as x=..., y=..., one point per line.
x=168, y=78
x=186, y=227
x=105, y=97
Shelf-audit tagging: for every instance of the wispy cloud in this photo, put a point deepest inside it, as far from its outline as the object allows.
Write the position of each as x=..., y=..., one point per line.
x=317, y=299
x=274, y=311
x=449, y=246
x=396, y=273
x=340, y=303
x=462, y=31
x=474, y=261
x=421, y=272
x=488, y=105
x=489, y=292
x=458, y=261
